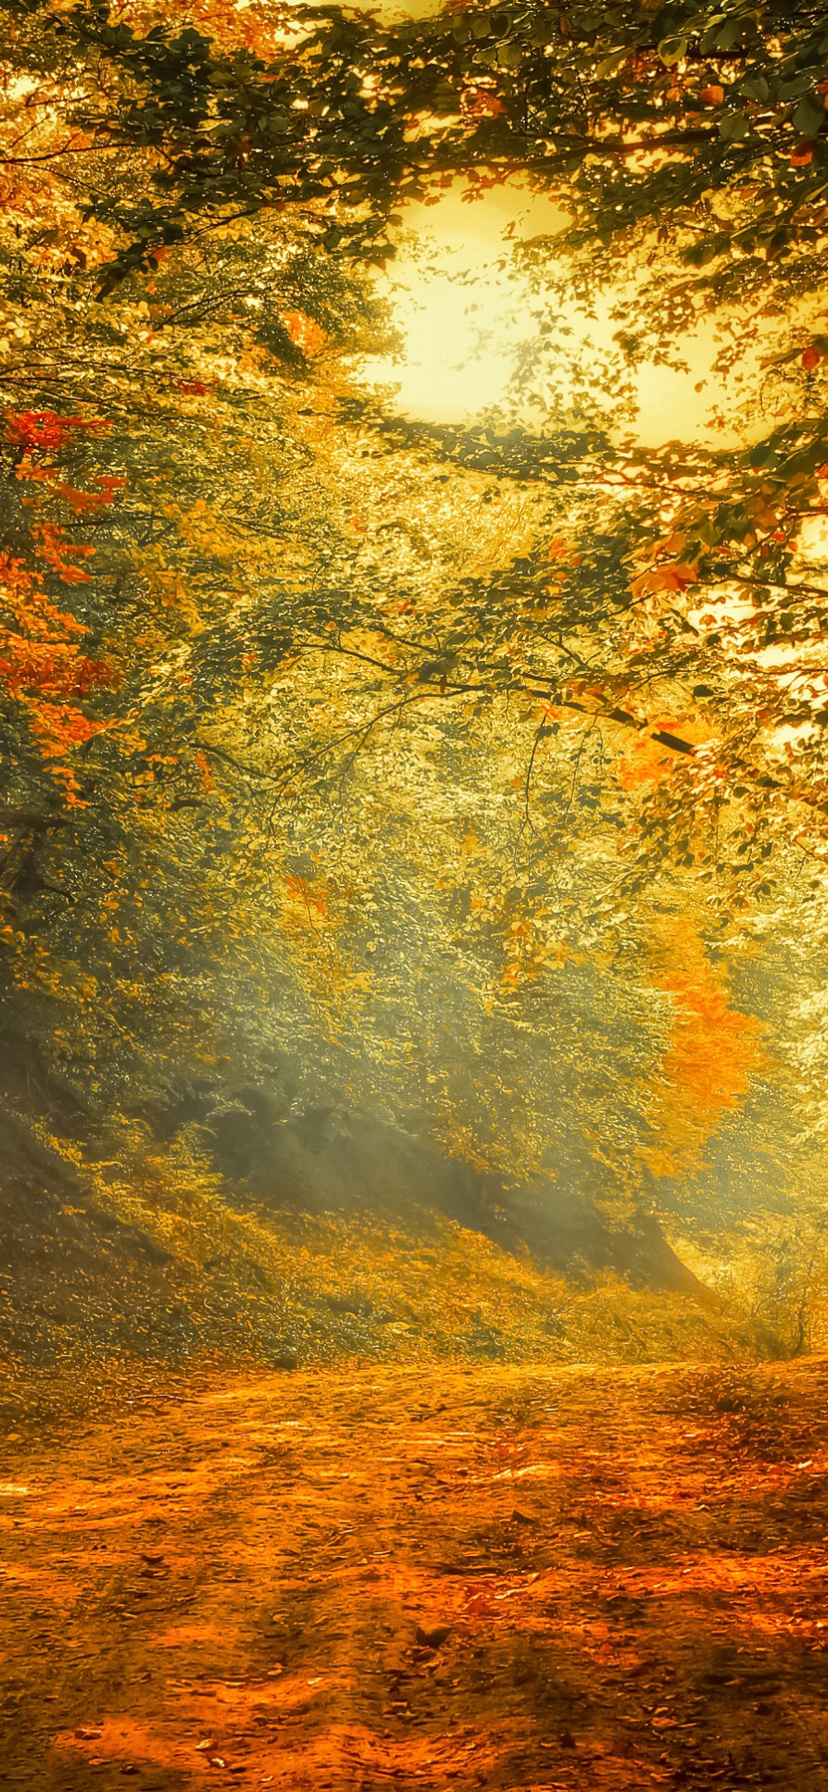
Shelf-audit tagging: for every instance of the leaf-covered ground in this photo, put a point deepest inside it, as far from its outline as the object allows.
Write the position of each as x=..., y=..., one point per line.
x=226, y=1586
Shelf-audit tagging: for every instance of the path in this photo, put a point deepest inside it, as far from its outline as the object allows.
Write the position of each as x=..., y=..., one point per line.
x=226, y=1589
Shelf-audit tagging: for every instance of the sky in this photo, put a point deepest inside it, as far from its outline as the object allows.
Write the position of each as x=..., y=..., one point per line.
x=461, y=339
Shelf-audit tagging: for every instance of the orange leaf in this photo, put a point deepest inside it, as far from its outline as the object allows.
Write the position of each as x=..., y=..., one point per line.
x=479, y=102
x=304, y=332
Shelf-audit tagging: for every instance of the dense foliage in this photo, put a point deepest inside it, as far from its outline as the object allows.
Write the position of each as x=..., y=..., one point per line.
x=477, y=773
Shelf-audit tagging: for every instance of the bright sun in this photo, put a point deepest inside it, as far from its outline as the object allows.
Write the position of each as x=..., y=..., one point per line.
x=463, y=319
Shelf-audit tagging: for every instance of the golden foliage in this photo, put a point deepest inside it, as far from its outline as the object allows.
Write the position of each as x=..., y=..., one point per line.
x=712, y=1052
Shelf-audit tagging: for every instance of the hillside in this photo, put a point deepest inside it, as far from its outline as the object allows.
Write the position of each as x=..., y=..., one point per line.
x=256, y=1237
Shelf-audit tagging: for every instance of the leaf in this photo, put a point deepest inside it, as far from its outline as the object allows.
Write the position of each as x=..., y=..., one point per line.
x=755, y=88
x=809, y=116
x=734, y=127
x=611, y=64
x=672, y=50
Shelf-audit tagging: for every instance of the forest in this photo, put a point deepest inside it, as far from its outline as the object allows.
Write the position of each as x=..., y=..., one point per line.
x=414, y=855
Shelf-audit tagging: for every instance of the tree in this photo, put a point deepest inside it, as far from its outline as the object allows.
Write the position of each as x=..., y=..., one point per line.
x=332, y=714
x=348, y=115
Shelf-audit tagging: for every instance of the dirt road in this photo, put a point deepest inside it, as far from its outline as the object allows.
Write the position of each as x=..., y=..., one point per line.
x=632, y=1566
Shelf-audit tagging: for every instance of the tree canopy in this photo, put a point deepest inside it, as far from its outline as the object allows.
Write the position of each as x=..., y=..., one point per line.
x=478, y=770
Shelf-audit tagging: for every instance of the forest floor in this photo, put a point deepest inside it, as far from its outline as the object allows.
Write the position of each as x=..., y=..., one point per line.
x=225, y=1586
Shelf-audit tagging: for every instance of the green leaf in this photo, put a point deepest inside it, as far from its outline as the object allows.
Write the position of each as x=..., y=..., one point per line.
x=611, y=64
x=755, y=87
x=809, y=116
x=672, y=50
x=710, y=34
x=729, y=35
x=734, y=127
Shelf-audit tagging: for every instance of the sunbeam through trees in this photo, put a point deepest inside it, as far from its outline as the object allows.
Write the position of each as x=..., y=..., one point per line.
x=414, y=886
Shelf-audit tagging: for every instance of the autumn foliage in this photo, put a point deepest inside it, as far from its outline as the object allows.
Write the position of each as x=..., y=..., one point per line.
x=44, y=667
x=387, y=745
x=712, y=1051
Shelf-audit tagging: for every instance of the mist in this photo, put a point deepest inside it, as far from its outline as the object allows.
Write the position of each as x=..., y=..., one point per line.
x=413, y=905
